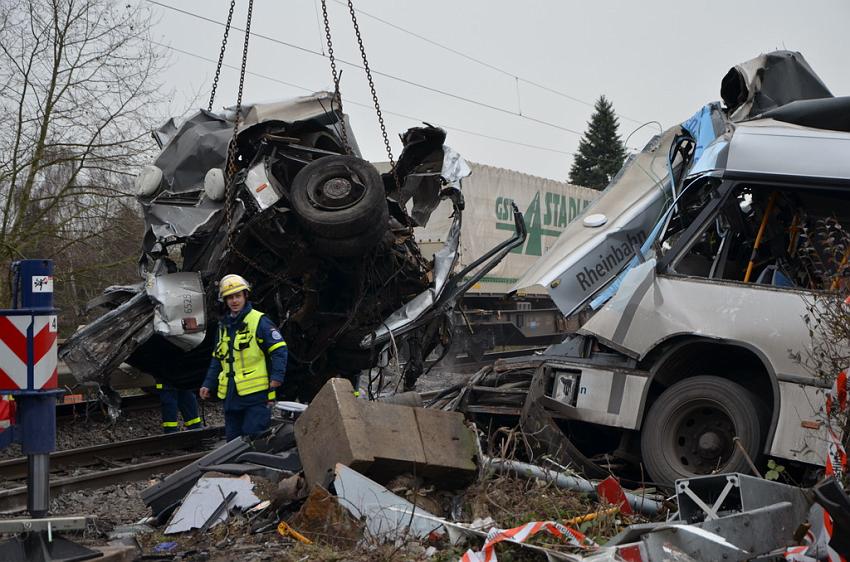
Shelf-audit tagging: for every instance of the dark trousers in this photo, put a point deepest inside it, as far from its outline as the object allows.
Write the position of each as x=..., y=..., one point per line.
x=171, y=400
x=247, y=420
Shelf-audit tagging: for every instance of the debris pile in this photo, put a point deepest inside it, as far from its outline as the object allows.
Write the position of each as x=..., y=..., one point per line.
x=285, y=200
x=366, y=480
x=689, y=276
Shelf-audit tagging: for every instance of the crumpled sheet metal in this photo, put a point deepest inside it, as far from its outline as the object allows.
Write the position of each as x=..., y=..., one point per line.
x=767, y=146
x=205, y=497
x=387, y=515
x=168, y=221
x=425, y=186
x=179, y=312
x=706, y=125
x=403, y=318
x=105, y=343
x=194, y=146
x=572, y=270
x=770, y=80
x=651, y=308
x=200, y=143
x=455, y=168
x=424, y=190
x=584, y=259
x=318, y=106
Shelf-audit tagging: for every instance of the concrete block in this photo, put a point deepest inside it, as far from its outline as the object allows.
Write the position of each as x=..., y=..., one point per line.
x=331, y=430
x=381, y=440
x=395, y=444
x=449, y=446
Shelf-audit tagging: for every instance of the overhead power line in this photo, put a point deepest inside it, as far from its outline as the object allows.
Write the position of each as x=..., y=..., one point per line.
x=480, y=62
x=361, y=104
x=384, y=74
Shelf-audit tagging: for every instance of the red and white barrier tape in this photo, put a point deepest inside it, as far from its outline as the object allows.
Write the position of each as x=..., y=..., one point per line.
x=836, y=401
x=521, y=534
x=817, y=539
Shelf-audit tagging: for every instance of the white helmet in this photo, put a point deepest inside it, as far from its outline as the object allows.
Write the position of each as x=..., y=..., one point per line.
x=231, y=284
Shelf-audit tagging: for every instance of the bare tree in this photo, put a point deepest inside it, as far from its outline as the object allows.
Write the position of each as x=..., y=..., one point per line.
x=825, y=251
x=79, y=86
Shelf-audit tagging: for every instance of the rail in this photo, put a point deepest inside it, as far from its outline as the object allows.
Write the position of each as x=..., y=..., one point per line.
x=15, y=499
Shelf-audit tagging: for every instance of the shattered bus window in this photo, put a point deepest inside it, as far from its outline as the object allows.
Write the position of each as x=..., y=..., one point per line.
x=765, y=234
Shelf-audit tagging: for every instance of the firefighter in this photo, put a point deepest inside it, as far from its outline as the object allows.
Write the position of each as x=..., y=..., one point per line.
x=170, y=401
x=248, y=364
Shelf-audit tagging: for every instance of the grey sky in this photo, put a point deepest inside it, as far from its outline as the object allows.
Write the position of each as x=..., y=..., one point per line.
x=658, y=60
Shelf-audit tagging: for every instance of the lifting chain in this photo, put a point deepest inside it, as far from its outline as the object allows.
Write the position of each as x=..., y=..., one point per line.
x=372, y=86
x=336, y=78
x=221, y=54
x=231, y=177
x=231, y=149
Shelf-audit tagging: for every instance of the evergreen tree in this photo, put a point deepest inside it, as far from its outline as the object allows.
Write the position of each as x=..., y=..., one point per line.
x=601, y=151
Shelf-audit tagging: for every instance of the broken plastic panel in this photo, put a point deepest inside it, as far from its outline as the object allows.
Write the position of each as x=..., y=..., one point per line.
x=201, y=506
x=179, y=312
x=261, y=187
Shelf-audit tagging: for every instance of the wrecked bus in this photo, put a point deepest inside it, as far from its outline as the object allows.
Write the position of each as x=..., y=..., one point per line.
x=326, y=241
x=691, y=277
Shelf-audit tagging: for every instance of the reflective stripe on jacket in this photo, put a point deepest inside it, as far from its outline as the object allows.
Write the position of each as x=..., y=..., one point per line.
x=243, y=359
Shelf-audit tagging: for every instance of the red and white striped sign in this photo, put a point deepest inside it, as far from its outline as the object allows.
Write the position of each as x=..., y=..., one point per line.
x=13, y=352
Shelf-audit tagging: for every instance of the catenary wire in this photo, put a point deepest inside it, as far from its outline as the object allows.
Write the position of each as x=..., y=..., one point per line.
x=379, y=73
x=482, y=62
x=360, y=104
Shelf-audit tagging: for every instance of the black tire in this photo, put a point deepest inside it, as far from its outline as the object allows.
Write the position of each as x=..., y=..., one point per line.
x=338, y=197
x=690, y=429
x=354, y=246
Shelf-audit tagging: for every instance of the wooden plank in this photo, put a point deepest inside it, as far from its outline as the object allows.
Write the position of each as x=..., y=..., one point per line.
x=495, y=410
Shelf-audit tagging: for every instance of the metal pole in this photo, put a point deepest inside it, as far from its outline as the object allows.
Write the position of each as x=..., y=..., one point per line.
x=525, y=470
x=38, y=484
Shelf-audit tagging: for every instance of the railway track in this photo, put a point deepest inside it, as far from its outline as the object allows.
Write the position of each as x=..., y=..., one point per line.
x=138, y=459
x=137, y=402
x=112, y=463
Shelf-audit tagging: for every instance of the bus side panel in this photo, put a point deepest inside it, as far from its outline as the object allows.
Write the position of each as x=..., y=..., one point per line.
x=801, y=430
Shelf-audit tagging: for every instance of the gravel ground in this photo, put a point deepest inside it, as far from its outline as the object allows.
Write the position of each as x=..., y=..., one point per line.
x=112, y=505
x=117, y=504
